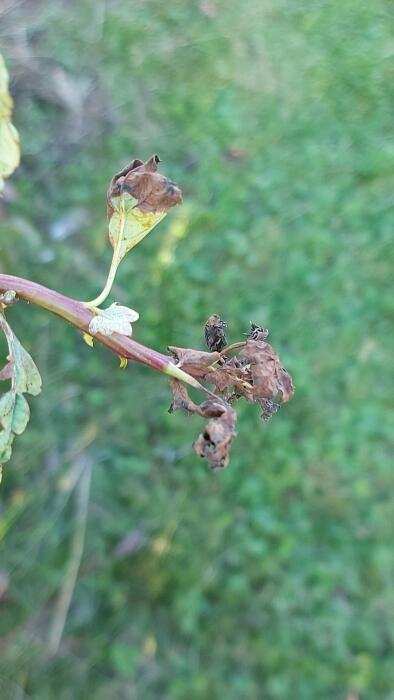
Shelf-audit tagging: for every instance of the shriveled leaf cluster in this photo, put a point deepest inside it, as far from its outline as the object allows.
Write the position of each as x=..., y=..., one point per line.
x=255, y=373
x=9, y=138
x=25, y=379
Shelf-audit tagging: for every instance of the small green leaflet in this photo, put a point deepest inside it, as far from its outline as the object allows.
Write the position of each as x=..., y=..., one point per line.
x=25, y=379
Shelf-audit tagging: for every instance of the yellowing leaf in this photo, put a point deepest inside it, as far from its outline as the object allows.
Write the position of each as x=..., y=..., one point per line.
x=9, y=139
x=114, y=319
x=129, y=225
x=137, y=199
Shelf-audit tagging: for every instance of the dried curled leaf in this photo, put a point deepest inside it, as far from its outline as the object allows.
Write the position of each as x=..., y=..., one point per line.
x=269, y=377
x=25, y=378
x=230, y=377
x=182, y=401
x=114, y=319
x=138, y=198
x=194, y=362
x=214, y=442
x=9, y=138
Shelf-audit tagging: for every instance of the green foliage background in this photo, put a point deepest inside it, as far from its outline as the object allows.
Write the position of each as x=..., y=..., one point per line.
x=275, y=578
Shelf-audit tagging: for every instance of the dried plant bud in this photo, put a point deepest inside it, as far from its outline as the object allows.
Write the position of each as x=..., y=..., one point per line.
x=214, y=443
x=152, y=191
x=194, y=362
x=269, y=378
x=215, y=337
x=257, y=332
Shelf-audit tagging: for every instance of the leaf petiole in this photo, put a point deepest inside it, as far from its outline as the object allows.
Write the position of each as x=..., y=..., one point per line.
x=116, y=258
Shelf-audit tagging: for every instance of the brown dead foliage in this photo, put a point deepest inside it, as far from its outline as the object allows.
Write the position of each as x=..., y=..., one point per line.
x=194, y=362
x=153, y=191
x=255, y=373
x=269, y=377
x=214, y=442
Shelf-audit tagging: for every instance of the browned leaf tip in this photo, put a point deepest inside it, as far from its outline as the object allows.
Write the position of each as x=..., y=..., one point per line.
x=194, y=362
x=215, y=337
x=268, y=377
x=154, y=192
x=214, y=443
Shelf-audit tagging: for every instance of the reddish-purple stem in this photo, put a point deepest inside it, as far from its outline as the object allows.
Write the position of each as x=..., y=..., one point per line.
x=76, y=313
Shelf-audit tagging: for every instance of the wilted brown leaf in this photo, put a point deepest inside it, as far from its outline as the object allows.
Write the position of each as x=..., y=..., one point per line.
x=152, y=191
x=269, y=378
x=194, y=362
x=232, y=377
x=214, y=443
x=181, y=399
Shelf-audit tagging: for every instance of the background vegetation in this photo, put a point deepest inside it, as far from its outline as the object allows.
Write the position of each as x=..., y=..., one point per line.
x=273, y=579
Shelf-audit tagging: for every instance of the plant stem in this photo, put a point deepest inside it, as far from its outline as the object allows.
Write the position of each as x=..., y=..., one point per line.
x=114, y=264
x=76, y=313
x=108, y=285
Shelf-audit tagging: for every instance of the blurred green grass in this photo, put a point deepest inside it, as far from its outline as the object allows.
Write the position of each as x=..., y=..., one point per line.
x=273, y=579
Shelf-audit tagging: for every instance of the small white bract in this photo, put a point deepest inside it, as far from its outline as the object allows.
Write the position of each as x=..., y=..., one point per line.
x=115, y=319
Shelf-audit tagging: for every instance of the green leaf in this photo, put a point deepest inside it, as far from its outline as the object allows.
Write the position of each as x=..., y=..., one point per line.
x=9, y=139
x=25, y=378
x=7, y=403
x=21, y=415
